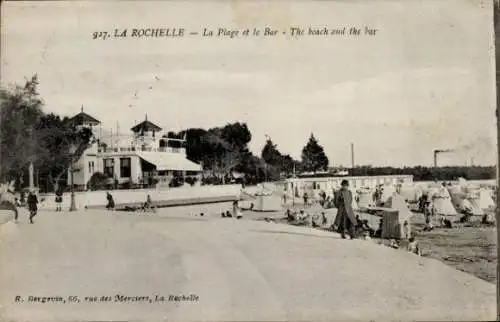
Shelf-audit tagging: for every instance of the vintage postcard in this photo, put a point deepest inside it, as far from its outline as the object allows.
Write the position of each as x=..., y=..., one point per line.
x=248, y=161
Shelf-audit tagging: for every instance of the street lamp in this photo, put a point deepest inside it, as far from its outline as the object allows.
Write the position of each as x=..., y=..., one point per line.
x=72, y=151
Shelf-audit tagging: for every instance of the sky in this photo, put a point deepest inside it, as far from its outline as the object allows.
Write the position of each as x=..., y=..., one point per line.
x=425, y=81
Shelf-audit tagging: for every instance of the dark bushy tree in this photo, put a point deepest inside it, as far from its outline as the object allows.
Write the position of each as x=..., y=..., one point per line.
x=271, y=155
x=313, y=156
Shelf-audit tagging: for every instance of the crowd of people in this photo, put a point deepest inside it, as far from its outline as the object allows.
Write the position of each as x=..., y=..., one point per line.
x=346, y=222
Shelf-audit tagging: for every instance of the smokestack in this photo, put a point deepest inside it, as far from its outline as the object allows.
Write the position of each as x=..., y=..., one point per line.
x=352, y=155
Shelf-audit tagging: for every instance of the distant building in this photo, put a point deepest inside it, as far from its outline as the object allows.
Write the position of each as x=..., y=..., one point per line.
x=327, y=184
x=138, y=159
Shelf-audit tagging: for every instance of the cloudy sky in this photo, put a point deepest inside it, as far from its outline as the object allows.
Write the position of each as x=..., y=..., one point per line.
x=425, y=81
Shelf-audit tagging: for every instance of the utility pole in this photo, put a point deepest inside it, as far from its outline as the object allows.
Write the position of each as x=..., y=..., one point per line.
x=72, y=151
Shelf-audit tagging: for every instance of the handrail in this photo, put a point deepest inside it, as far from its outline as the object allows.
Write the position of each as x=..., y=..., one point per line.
x=141, y=149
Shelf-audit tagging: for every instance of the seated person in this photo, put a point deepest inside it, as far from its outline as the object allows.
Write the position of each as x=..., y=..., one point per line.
x=413, y=246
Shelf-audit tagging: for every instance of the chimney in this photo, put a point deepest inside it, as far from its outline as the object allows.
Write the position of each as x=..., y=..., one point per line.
x=352, y=155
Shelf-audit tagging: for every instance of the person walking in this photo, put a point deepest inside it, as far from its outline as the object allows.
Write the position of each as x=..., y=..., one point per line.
x=59, y=198
x=32, y=205
x=345, y=219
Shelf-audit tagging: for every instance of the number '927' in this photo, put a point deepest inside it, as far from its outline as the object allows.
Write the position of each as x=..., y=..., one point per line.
x=100, y=35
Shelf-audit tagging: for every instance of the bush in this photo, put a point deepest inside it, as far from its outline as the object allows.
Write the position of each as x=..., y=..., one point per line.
x=176, y=182
x=191, y=180
x=98, y=181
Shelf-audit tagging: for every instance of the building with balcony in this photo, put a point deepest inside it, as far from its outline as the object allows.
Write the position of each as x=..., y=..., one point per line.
x=142, y=158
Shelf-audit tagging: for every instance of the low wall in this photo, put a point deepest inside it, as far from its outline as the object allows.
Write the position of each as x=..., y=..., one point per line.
x=98, y=198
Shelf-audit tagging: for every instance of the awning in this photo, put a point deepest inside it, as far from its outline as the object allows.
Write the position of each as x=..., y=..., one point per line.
x=169, y=161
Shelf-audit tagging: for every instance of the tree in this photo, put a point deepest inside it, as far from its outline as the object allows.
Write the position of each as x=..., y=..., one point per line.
x=20, y=111
x=28, y=135
x=61, y=143
x=220, y=149
x=236, y=134
x=270, y=154
x=288, y=164
x=313, y=156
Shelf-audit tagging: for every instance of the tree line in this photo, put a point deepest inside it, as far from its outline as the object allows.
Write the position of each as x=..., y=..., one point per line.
x=421, y=173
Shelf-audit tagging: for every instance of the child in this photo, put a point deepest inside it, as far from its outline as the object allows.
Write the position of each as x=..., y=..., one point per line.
x=59, y=199
x=413, y=246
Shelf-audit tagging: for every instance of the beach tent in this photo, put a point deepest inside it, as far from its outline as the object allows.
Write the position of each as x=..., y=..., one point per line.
x=485, y=199
x=397, y=202
x=365, y=198
x=473, y=198
x=410, y=193
x=480, y=197
x=387, y=192
x=394, y=222
x=441, y=201
x=461, y=203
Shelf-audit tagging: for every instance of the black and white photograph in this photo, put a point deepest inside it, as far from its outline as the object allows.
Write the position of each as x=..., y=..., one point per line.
x=248, y=161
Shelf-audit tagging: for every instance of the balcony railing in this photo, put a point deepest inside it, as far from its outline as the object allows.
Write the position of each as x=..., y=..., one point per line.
x=140, y=149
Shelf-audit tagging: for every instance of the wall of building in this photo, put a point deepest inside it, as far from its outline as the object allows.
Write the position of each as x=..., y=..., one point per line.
x=98, y=198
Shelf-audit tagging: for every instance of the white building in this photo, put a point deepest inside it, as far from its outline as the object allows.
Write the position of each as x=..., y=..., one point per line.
x=141, y=158
x=327, y=184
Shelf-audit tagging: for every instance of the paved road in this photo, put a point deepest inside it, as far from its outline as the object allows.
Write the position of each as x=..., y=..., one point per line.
x=236, y=270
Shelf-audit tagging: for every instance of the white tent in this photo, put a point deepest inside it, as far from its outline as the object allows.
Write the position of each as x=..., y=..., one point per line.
x=461, y=203
x=397, y=202
x=410, y=193
x=441, y=201
x=485, y=199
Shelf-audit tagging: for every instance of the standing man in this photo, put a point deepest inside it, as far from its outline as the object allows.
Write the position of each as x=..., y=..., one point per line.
x=32, y=205
x=345, y=219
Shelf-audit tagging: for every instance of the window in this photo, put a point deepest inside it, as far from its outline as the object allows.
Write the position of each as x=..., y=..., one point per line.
x=91, y=167
x=125, y=168
x=108, y=167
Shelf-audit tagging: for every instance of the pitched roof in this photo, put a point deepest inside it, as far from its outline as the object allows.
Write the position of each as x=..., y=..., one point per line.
x=145, y=126
x=84, y=118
